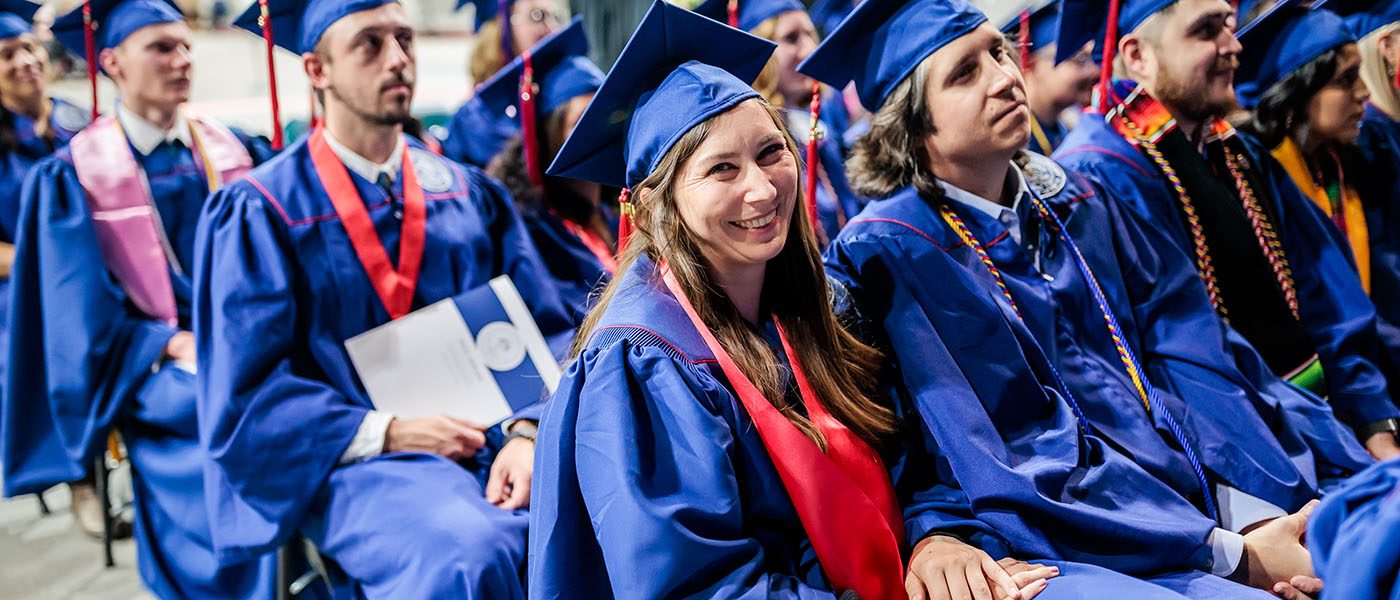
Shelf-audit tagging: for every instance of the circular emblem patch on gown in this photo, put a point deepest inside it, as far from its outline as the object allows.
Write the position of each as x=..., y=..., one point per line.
x=1044, y=176
x=69, y=117
x=500, y=346
x=433, y=175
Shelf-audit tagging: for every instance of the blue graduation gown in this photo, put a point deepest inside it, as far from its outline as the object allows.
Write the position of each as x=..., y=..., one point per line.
x=85, y=360
x=650, y=478
x=278, y=291
x=65, y=120
x=1380, y=147
x=576, y=272
x=1177, y=338
x=475, y=134
x=1334, y=310
x=1054, y=134
x=1354, y=536
x=1016, y=473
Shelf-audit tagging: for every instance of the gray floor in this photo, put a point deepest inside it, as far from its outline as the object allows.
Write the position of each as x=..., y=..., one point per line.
x=47, y=557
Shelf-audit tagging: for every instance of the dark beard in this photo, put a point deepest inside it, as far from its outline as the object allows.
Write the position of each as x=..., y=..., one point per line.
x=1186, y=100
x=394, y=117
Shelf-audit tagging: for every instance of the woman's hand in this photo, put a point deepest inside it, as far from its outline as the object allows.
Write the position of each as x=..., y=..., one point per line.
x=944, y=568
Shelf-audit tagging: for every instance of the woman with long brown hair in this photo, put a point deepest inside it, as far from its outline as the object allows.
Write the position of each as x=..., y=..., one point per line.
x=567, y=219
x=718, y=433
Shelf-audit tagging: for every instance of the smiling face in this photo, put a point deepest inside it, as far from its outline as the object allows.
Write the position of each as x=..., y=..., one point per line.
x=1335, y=111
x=736, y=193
x=365, y=63
x=1186, y=57
x=23, y=65
x=153, y=65
x=976, y=100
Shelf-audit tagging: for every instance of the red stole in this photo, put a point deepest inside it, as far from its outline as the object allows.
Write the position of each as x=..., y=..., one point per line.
x=843, y=497
x=394, y=287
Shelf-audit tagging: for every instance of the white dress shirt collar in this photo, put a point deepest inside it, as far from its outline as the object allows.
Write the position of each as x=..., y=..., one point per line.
x=1005, y=215
x=364, y=167
x=145, y=135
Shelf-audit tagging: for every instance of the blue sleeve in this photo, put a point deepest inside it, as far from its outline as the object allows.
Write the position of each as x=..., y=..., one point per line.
x=258, y=147
x=79, y=351
x=637, y=490
x=1334, y=309
x=273, y=429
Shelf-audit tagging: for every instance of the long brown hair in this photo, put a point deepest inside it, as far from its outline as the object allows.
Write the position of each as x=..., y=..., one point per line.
x=487, y=57
x=842, y=370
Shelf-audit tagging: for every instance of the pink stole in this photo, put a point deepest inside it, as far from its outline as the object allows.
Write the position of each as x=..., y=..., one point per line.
x=129, y=232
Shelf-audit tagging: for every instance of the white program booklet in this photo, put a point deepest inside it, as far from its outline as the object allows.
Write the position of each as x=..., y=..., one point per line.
x=478, y=356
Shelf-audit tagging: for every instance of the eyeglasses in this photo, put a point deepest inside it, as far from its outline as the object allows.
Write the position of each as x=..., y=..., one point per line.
x=540, y=16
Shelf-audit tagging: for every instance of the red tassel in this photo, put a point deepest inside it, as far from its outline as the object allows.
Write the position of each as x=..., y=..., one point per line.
x=1110, y=50
x=266, y=20
x=527, y=123
x=1025, y=44
x=90, y=48
x=813, y=164
x=624, y=221
x=734, y=13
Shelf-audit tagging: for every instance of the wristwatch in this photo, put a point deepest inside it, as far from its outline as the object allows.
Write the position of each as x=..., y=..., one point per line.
x=1391, y=426
x=521, y=429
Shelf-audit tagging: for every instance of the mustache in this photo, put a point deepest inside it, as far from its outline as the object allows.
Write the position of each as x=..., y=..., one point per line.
x=397, y=79
x=1229, y=63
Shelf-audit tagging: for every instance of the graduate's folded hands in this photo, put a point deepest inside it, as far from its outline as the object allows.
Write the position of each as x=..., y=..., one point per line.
x=454, y=438
x=1274, y=552
x=945, y=568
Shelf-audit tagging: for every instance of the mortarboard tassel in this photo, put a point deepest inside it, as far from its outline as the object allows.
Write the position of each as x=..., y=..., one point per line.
x=507, y=44
x=1110, y=50
x=1025, y=45
x=90, y=49
x=266, y=21
x=624, y=220
x=814, y=163
x=527, y=122
x=734, y=13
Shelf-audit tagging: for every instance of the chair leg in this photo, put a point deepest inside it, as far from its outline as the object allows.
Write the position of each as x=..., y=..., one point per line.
x=100, y=475
x=284, y=574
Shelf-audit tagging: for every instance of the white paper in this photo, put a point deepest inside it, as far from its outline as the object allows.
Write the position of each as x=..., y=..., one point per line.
x=426, y=363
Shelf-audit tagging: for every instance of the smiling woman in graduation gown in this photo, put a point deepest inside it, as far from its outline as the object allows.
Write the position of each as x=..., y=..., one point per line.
x=677, y=457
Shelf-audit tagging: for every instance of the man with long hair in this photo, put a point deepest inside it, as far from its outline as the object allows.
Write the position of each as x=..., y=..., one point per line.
x=351, y=227
x=963, y=208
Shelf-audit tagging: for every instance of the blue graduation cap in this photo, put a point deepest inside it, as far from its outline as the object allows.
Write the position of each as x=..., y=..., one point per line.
x=486, y=10
x=1364, y=16
x=298, y=25
x=16, y=17
x=827, y=14
x=1279, y=41
x=749, y=12
x=114, y=21
x=561, y=70
x=1083, y=21
x=1036, y=27
x=882, y=41
x=678, y=70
